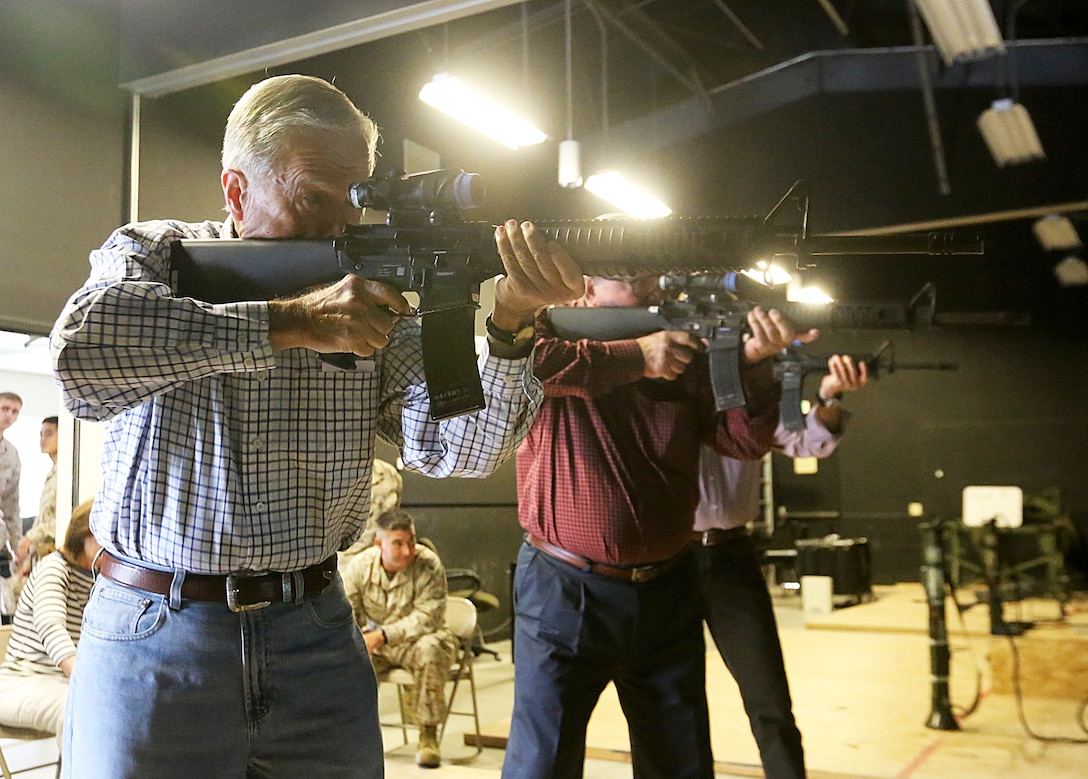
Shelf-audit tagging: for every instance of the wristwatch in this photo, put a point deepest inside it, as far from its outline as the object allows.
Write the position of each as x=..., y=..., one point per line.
x=834, y=400
x=517, y=338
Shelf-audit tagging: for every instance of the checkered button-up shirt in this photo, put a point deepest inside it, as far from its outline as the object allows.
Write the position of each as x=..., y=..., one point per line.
x=223, y=455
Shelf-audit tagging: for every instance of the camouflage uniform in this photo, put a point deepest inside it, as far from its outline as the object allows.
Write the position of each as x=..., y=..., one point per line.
x=411, y=608
x=386, y=484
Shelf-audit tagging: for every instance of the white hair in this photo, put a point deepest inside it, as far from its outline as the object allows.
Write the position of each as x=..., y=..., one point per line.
x=276, y=112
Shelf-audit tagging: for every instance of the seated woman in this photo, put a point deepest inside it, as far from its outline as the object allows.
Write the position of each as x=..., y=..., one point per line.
x=42, y=649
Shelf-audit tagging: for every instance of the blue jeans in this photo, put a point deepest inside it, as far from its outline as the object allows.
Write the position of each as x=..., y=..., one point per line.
x=199, y=691
x=740, y=615
x=574, y=633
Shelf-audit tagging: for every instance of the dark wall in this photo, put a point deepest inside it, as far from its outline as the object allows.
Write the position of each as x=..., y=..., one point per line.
x=62, y=156
x=1012, y=414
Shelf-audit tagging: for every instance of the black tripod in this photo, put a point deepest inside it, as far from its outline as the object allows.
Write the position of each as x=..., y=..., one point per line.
x=934, y=577
x=992, y=571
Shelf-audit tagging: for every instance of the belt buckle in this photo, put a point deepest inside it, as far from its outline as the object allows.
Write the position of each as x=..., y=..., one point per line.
x=233, y=589
x=642, y=573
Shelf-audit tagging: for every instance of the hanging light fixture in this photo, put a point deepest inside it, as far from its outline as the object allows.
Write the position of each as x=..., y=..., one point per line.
x=1055, y=232
x=1009, y=133
x=962, y=29
x=1072, y=272
x=570, y=151
x=450, y=95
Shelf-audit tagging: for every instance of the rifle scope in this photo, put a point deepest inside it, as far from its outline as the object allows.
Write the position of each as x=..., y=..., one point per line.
x=434, y=190
x=739, y=284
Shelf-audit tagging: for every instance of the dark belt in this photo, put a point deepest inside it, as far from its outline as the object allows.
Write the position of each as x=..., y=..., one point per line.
x=632, y=573
x=241, y=591
x=718, y=535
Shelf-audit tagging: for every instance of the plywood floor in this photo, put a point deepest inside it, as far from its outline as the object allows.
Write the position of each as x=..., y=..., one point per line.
x=860, y=680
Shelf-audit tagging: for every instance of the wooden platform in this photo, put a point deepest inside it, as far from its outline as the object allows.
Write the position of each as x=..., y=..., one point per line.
x=860, y=680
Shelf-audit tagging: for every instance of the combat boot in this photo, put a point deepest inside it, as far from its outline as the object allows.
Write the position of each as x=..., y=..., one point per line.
x=428, y=755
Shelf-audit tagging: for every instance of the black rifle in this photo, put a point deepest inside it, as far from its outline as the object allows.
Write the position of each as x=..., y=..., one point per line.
x=722, y=323
x=424, y=247
x=792, y=365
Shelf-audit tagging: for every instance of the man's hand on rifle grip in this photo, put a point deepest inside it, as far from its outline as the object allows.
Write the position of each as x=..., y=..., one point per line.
x=844, y=375
x=770, y=333
x=353, y=315
x=668, y=353
x=539, y=273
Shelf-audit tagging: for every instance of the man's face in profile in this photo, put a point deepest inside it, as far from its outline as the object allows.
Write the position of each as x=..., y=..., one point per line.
x=307, y=196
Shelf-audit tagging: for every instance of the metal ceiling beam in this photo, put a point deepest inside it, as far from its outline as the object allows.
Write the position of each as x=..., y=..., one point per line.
x=1052, y=63
x=406, y=18
x=644, y=33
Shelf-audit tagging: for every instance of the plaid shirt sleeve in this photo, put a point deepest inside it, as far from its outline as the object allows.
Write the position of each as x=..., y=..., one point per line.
x=123, y=338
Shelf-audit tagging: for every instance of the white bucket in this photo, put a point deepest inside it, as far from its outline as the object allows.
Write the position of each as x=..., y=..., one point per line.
x=817, y=595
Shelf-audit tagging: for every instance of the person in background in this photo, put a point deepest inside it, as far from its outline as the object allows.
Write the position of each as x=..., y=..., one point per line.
x=398, y=593
x=40, y=540
x=42, y=649
x=737, y=606
x=236, y=463
x=386, y=485
x=11, y=522
x=607, y=489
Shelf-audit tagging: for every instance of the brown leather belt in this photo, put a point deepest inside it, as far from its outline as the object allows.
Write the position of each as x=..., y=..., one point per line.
x=241, y=591
x=633, y=573
x=718, y=535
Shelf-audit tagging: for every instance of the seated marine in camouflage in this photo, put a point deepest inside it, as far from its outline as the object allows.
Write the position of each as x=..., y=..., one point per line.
x=398, y=593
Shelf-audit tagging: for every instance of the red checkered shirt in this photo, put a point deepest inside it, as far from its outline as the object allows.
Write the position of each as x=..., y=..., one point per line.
x=610, y=468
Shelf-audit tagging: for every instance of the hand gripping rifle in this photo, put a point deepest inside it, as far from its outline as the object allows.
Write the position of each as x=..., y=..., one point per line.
x=424, y=247
x=705, y=306
x=792, y=365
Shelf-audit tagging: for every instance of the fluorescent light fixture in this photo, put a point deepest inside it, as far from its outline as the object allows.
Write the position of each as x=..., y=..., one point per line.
x=449, y=94
x=808, y=295
x=1055, y=232
x=962, y=29
x=767, y=273
x=1072, y=272
x=615, y=189
x=1009, y=133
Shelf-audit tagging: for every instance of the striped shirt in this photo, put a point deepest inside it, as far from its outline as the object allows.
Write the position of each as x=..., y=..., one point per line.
x=46, y=626
x=222, y=455
x=610, y=468
x=11, y=529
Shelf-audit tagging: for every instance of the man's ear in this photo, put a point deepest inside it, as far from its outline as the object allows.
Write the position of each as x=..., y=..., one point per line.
x=235, y=186
x=591, y=290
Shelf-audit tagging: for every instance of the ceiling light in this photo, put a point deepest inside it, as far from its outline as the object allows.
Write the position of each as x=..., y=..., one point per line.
x=612, y=187
x=448, y=94
x=768, y=274
x=808, y=295
x=1072, y=272
x=1009, y=133
x=1055, y=232
x=962, y=29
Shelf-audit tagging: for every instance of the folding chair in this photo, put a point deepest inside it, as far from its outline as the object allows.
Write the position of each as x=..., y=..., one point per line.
x=21, y=734
x=461, y=620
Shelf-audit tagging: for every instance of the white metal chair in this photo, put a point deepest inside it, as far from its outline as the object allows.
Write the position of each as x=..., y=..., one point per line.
x=461, y=620
x=22, y=734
